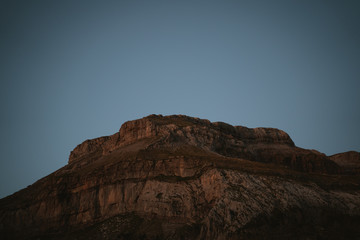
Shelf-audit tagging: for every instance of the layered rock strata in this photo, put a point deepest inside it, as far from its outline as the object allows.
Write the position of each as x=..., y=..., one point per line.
x=257, y=144
x=178, y=177
x=348, y=161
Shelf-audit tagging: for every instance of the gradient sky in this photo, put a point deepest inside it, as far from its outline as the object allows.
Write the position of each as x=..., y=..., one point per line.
x=74, y=70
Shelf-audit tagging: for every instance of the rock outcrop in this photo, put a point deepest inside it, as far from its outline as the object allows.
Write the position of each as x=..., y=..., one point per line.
x=257, y=144
x=349, y=161
x=178, y=177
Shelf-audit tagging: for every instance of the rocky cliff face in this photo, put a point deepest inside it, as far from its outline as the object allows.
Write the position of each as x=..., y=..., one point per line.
x=258, y=144
x=178, y=177
x=349, y=161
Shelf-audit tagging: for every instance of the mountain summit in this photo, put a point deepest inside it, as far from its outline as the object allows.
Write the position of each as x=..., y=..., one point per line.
x=178, y=177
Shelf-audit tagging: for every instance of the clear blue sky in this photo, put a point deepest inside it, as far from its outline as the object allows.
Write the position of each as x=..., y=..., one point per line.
x=74, y=70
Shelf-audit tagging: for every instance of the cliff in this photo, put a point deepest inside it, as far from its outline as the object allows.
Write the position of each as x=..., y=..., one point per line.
x=258, y=144
x=349, y=161
x=178, y=177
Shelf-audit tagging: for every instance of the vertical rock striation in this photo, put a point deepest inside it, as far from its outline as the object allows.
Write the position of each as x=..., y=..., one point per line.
x=178, y=177
x=258, y=144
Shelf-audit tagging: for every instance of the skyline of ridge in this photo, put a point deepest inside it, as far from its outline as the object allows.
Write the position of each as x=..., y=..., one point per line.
x=72, y=71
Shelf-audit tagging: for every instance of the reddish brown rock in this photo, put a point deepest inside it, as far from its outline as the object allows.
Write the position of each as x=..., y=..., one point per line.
x=349, y=161
x=178, y=177
x=258, y=144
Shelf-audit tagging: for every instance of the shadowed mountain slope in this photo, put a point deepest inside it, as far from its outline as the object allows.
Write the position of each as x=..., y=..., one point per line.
x=349, y=161
x=177, y=177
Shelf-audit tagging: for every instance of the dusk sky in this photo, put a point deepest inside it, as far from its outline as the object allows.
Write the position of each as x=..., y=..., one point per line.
x=76, y=70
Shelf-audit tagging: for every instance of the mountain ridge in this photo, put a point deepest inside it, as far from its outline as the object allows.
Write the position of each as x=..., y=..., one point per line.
x=178, y=177
x=154, y=125
x=219, y=137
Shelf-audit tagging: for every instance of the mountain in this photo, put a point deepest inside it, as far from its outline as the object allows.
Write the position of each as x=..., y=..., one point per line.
x=178, y=177
x=349, y=161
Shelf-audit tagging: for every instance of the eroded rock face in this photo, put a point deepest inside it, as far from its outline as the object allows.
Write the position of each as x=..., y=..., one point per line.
x=258, y=144
x=349, y=161
x=178, y=177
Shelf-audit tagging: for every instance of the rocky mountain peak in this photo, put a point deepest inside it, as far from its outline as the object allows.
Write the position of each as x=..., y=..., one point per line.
x=178, y=177
x=173, y=130
x=190, y=127
x=256, y=144
x=349, y=161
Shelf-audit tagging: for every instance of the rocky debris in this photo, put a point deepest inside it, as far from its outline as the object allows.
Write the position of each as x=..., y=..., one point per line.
x=349, y=161
x=178, y=177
